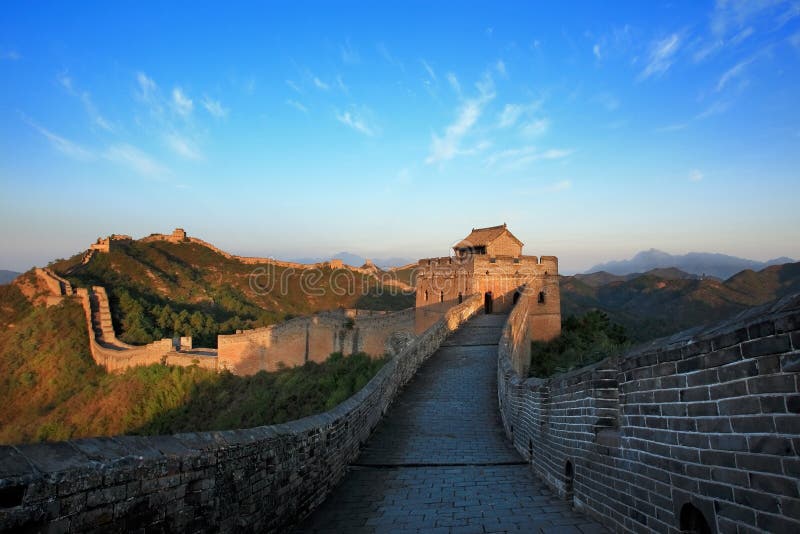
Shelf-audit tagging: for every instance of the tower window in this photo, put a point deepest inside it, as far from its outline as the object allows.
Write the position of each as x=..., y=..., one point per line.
x=541, y=297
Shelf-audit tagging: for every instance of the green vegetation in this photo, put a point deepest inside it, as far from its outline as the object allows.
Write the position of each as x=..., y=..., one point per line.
x=584, y=340
x=53, y=390
x=159, y=289
x=664, y=302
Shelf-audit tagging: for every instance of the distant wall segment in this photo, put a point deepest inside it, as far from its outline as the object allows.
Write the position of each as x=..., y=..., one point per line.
x=254, y=480
x=704, y=426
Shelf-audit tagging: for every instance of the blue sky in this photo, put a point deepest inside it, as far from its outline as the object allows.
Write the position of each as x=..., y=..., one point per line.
x=302, y=129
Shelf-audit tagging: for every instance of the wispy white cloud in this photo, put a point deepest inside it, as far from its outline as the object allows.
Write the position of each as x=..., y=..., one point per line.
x=608, y=101
x=429, y=70
x=349, y=54
x=183, y=146
x=297, y=105
x=518, y=158
x=716, y=108
x=448, y=145
x=729, y=16
x=536, y=127
x=794, y=40
x=734, y=72
x=135, y=159
x=319, y=84
x=695, y=175
x=500, y=67
x=661, y=56
x=341, y=85
x=62, y=144
x=296, y=88
x=596, y=51
x=147, y=87
x=791, y=13
x=742, y=35
x=181, y=102
x=510, y=114
x=388, y=57
x=214, y=107
x=453, y=80
x=706, y=50
x=10, y=55
x=86, y=99
x=356, y=121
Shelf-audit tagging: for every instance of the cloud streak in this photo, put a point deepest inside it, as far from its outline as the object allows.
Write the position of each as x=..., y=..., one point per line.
x=135, y=159
x=518, y=158
x=661, y=56
x=214, y=107
x=297, y=105
x=732, y=73
x=355, y=121
x=183, y=147
x=62, y=144
x=88, y=104
x=182, y=103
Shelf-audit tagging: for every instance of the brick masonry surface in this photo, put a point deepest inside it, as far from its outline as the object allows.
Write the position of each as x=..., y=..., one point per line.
x=255, y=480
x=704, y=424
x=440, y=462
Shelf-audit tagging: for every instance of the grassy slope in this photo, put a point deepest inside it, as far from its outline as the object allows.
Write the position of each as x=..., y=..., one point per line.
x=651, y=306
x=52, y=389
x=192, y=278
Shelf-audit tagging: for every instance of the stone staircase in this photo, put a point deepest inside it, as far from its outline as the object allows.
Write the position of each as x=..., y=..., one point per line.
x=101, y=316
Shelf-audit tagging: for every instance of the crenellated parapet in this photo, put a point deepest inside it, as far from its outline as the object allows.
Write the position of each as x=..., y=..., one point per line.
x=699, y=428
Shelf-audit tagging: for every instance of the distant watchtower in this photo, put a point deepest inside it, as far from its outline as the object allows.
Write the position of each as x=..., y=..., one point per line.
x=489, y=262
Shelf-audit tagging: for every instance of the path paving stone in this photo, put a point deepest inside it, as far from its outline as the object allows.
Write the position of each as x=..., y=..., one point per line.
x=440, y=461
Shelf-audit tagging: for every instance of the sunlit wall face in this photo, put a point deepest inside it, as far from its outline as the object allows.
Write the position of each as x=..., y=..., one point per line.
x=594, y=132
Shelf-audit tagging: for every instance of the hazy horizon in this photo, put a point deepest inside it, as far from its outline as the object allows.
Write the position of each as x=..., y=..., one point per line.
x=292, y=131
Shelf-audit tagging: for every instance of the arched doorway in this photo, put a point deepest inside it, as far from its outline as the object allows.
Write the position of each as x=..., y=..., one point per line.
x=487, y=302
x=693, y=520
x=460, y=297
x=569, y=478
x=516, y=297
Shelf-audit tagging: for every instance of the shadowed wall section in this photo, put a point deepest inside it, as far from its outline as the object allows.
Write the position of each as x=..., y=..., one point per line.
x=314, y=338
x=254, y=480
x=701, y=426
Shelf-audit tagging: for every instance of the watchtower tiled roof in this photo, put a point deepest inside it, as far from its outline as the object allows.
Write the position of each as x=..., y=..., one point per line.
x=481, y=237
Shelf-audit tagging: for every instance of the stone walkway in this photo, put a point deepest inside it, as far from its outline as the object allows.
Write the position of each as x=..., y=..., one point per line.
x=440, y=461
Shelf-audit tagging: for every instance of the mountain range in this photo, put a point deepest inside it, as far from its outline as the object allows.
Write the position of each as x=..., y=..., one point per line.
x=661, y=302
x=357, y=261
x=7, y=276
x=698, y=263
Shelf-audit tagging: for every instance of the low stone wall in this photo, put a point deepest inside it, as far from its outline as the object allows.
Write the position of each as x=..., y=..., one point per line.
x=704, y=424
x=314, y=338
x=256, y=480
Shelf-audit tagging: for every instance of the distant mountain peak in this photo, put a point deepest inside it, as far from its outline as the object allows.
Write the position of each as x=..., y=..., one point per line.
x=694, y=263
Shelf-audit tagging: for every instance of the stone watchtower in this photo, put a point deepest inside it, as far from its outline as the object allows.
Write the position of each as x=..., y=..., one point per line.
x=489, y=261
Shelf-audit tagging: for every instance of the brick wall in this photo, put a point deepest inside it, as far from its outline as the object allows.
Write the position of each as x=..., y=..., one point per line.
x=706, y=422
x=314, y=338
x=255, y=480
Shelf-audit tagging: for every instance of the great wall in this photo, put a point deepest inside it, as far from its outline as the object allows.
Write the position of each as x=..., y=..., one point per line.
x=699, y=432
x=293, y=342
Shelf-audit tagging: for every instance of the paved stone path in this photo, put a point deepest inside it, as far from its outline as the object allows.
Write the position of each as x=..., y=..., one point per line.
x=440, y=461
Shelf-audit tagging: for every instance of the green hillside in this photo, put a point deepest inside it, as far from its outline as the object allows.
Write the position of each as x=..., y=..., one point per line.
x=159, y=289
x=664, y=302
x=53, y=390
